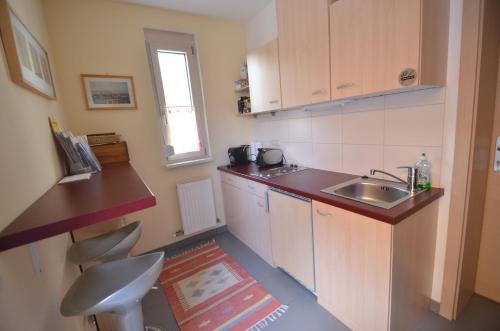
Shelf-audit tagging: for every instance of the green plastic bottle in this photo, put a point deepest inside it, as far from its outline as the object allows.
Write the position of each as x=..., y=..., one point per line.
x=424, y=167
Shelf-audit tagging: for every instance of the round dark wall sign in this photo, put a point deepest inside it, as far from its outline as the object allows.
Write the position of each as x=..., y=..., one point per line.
x=407, y=77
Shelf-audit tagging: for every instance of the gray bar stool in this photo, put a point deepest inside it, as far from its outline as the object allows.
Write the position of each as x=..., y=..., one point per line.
x=106, y=247
x=115, y=287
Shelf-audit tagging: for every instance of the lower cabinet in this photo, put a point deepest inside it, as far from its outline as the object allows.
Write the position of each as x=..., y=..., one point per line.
x=372, y=275
x=292, y=238
x=247, y=216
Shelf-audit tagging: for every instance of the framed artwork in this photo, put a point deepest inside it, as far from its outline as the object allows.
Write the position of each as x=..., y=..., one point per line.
x=109, y=92
x=27, y=60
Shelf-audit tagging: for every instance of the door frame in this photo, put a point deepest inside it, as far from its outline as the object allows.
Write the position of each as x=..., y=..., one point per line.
x=478, y=71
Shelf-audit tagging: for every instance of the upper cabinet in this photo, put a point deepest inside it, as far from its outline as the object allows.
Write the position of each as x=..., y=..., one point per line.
x=264, y=77
x=304, y=51
x=383, y=45
x=335, y=49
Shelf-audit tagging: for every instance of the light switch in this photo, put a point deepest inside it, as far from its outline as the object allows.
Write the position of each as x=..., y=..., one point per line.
x=496, y=166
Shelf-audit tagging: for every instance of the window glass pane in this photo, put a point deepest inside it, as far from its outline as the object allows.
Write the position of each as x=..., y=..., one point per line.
x=180, y=110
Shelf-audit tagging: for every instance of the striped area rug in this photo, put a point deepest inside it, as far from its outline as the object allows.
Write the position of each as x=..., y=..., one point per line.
x=208, y=290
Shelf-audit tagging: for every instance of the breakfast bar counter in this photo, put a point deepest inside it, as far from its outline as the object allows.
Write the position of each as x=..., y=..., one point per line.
x=309, y=183
x=115, y=191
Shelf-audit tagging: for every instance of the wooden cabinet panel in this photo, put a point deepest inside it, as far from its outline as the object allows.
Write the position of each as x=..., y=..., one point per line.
x=353, y=263
x=264, y=77
x=291, y=230
x=304, y=52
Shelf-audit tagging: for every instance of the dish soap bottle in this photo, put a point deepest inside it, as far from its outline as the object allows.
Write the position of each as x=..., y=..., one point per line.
x=424, y=172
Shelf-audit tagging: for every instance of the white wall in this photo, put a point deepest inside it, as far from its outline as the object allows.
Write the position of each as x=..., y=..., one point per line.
x=263, y=27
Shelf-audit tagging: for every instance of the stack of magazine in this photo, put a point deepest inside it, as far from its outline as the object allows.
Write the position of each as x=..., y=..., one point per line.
x=79, y=155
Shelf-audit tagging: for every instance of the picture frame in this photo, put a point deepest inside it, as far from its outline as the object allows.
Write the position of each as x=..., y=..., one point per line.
x=109, y=92
x=27, y=60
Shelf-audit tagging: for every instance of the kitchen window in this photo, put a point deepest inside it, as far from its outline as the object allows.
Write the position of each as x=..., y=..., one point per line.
x=177, y=81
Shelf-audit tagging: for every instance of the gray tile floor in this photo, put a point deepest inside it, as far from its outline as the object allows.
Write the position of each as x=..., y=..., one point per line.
x=304, y=313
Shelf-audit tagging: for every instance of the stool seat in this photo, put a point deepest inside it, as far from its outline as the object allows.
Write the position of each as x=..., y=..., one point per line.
x=106, y=247
x=115, y=287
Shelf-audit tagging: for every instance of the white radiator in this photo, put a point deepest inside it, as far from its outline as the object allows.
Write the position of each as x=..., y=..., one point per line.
x=196, y=200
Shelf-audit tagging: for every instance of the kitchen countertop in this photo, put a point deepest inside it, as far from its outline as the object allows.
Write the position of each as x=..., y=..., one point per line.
x=309, y=183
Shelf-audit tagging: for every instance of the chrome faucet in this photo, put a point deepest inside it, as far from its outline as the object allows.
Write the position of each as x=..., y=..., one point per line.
x=411, y=182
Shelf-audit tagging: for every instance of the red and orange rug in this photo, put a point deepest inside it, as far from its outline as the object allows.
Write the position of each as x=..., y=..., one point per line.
x=208, y=290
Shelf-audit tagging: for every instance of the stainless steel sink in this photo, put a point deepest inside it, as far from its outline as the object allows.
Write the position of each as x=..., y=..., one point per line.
x=376, y=192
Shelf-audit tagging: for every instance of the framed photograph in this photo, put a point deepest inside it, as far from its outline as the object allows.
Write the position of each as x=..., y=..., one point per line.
x=109, y=92
x=27, y=60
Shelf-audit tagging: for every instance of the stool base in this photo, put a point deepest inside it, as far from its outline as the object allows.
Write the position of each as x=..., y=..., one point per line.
x=131, y=319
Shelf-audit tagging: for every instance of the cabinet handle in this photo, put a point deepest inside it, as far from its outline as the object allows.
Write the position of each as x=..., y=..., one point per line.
x=273, y=101
x=260, y=204
x=317, y=92
x=250, y=187
x=343, y=86
x=319, y=212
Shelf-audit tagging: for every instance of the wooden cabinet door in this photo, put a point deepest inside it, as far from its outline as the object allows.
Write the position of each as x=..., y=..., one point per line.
x=233, y=204
x=261, y=229
x=264, y=77
x=291, y=230
x=392, y=43
x=352, y=266
x=304, y=51
x=372, y=43
x=347, y=38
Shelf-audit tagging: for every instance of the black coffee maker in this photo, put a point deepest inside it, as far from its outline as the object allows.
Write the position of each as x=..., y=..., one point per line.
x=238, y=155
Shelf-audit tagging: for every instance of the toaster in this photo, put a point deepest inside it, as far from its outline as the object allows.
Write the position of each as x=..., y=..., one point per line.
x=269, y=157
x=238, y=155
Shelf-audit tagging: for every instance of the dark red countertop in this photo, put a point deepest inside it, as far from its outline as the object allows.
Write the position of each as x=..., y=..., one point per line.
x=114, y=192
x=310, y=182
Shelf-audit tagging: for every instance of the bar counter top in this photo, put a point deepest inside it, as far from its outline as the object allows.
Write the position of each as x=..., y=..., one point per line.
x=115, y=191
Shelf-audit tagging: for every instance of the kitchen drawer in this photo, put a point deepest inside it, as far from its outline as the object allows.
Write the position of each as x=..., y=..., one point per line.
x=232, y=180
x=253, y=187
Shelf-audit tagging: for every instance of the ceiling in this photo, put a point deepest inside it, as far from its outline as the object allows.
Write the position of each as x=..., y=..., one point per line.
x=234, y=10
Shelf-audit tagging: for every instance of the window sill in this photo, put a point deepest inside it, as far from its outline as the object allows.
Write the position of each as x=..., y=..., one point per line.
x=179, y=164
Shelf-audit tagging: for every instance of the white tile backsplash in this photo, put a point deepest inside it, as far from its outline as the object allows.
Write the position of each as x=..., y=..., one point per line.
x=327, y=128
x=327, y=157
x=379, y=132
x=415, y=126
x=365, y=127
x=359, y=159
x=299, y=153
x=299, y=130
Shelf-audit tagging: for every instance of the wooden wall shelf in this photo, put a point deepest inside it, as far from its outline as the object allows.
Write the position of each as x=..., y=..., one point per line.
x=116, y=191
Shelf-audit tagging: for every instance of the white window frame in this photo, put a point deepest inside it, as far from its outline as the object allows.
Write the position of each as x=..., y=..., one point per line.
x=157, y=40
